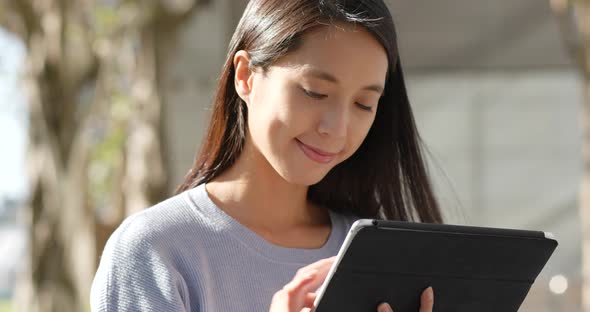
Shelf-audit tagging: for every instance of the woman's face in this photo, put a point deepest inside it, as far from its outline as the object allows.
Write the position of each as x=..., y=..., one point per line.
x=313, y=108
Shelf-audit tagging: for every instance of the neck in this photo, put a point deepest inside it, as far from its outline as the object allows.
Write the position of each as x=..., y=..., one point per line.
x=252, y=192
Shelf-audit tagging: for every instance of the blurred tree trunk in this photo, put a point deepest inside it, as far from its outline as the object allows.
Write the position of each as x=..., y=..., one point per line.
x=574, y=19
x=582, y=8
x=95, y=153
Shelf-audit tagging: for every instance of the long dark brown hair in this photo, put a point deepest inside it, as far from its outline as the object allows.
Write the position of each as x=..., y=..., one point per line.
x=386, y=177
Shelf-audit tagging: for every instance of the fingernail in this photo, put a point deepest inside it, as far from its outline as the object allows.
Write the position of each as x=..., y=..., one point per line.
x=384, y=307
x=430, y=294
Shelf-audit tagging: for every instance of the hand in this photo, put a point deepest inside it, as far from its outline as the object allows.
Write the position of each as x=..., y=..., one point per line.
x=298, y=294
x=426, y=302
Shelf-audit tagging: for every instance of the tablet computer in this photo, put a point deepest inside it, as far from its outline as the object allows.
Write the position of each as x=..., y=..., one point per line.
x=470, y=268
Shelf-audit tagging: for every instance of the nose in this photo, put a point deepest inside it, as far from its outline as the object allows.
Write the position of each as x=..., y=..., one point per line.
x=334, y=122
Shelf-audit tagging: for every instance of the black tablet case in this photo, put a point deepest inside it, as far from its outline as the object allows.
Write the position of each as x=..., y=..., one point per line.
x=471, y=269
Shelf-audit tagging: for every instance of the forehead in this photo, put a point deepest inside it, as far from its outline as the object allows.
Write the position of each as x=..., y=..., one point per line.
x=344, y=50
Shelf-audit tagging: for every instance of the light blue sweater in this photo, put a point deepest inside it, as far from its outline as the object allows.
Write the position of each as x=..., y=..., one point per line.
x=186, y=254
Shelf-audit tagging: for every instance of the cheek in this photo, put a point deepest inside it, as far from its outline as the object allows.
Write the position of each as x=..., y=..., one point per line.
x=274, y=117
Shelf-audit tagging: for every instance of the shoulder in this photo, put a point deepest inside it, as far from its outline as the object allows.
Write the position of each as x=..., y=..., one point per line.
x=163, y=226
x=157, y=223
x=144, y=259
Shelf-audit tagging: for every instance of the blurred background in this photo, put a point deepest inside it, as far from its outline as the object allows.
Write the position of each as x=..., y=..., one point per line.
x=103, y=104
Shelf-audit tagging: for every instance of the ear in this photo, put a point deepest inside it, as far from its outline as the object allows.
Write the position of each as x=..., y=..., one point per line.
x=243, y=75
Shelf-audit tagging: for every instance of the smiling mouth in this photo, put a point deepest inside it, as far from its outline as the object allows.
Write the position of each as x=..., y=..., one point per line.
x=315, y=154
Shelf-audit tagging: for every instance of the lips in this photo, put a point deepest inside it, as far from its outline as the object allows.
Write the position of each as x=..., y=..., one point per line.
x=315, y=154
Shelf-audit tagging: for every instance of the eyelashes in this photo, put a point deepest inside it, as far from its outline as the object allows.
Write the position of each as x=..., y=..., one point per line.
x=314, y=95
x=364, y=107
x=319, y=96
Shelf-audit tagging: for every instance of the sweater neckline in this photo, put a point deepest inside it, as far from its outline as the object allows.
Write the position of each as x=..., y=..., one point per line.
x=221, y=221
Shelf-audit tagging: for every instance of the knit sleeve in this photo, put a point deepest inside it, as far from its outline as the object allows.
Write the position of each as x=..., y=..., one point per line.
x=136, y=273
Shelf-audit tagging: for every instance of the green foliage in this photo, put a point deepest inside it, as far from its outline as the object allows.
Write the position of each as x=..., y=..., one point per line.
x=106, y=160
x=107, y=154
x=111, y=20
x=106, y=20
x=5, y=305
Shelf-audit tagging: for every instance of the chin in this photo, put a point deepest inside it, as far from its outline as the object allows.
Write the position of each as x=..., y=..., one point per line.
x=303, y=178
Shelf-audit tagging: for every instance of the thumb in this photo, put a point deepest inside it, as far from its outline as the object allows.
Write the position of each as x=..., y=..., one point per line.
x=384, y=307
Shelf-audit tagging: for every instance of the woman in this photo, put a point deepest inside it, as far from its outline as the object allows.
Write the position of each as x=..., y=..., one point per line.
x=311, y=129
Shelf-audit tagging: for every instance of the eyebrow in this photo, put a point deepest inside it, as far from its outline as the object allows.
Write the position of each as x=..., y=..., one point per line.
x=329, y=77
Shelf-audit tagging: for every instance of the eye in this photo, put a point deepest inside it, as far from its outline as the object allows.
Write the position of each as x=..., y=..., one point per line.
x=314, y=95
x=364, y=107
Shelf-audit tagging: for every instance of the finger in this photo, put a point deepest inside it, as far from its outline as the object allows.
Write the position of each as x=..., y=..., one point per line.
x=309, y=299
x=427, y=300
x=384, y=307
x=299, y=282
x=305, y=281
x=318, y=269
x=320, y=265
x=292, y=296
x=321, y=274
